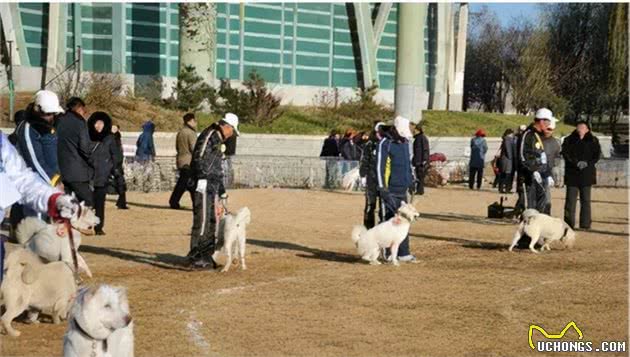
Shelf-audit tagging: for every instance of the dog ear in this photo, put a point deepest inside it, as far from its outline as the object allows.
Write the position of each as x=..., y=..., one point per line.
x=29, y=275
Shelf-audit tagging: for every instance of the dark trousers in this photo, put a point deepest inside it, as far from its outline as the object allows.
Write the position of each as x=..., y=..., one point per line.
x=369, y=212
x=183, y=184
x=204, y=224
x=420, y=180
x=505, y=182
x=475, y=172
x=99, y=206
x=122, y=196
x=81, y=190
x=390, y=212
x=536, y=196
x=585, y=206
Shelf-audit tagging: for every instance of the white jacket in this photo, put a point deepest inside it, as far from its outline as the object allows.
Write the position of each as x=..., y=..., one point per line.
x=18, y=183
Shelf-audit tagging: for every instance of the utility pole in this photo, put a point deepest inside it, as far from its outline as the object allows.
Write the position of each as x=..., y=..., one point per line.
x=11, y=86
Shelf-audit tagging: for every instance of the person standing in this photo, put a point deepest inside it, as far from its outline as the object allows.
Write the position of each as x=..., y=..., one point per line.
x=478, y=150
x=207, y=170
x=118, y=173
x=533, y=163
x=184, y=144
x=37, y=141
x=420, y=158
x=581, y=151
x=552, y=151
x=145, y=148
x=104, y=158
x=367, y=171
x=330, y=152
x=506, y=161
x=394, y=175
x=74, y=150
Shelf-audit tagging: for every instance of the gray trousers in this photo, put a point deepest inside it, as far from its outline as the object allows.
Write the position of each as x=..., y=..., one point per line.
x=585, y=206
x=536, y=197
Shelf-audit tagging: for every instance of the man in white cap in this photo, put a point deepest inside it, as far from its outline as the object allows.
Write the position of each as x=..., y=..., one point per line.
x=207, y=170
x=37, y=139
x=534, y=168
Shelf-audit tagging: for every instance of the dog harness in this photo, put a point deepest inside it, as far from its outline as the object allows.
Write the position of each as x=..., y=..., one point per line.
x=95, y=342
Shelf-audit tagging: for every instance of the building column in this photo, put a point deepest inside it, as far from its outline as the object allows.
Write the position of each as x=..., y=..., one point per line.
x=365, y=31
x=456, y=90
x=12, y=27
x=56, y=46
x=119, y=38
x=444, y=38
x=197, y=39
x=410, y=92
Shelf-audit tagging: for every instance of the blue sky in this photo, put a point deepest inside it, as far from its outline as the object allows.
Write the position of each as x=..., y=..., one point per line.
x=506, y=11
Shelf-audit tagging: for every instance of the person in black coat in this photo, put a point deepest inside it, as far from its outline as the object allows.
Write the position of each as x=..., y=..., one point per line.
x=74, y=148
x=507, y=159
x=117, y=177
x=420, y=160
x=330, y=152
x=367, y=171
x=105, y=158
x=581, y=150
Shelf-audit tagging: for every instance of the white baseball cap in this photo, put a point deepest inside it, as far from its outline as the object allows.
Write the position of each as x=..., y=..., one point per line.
x=48, y=102
x=402, y=126
x=544, y=114
x=232, y=119
x=378, y=125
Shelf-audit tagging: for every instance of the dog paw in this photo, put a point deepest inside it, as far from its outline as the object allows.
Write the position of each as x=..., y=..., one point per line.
x=14, y=333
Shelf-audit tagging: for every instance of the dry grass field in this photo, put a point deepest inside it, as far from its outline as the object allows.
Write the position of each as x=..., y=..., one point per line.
x=306, y=293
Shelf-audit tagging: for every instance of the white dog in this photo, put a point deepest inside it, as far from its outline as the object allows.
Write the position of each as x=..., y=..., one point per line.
x=99, y=324
x=30, y=284
x=51, y=241
x=351, y=179
x=232, y=230
x=388, y=234
x=543, y=229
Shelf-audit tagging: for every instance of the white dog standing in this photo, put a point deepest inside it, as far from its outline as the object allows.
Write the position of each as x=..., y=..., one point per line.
x=232, y=237
x=51, y=241
x=388, y=234
x=29, y=284
x=99, y=324
x=543, y=229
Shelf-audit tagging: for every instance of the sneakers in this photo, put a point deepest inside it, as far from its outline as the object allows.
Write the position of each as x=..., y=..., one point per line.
x=408, y=259
x=204, y=264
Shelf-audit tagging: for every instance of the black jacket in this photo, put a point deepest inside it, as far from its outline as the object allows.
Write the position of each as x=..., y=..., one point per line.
x=106, y=154
x=208, y=158
x=330, y=148
x=349, y=150
x=575, y=150
x=508, y=154
x=531, y=153
x=420, y=151
x=73, y=148
x=367, y=167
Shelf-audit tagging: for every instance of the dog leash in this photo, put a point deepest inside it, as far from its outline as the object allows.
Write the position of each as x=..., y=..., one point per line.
x=75, y=262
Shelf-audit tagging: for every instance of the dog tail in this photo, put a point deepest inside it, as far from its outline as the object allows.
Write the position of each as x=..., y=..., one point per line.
x=28, y=228
x=357, y=232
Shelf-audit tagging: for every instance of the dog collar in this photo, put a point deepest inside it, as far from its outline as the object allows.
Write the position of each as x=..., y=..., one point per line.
x=94, y=340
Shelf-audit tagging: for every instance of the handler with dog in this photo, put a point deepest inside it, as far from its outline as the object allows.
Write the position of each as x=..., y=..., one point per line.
x=207, y=170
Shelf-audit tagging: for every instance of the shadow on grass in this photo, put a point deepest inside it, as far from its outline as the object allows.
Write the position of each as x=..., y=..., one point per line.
x=456, y=217
x=158, y=260
x=148, y=205
x=467, y=243
x=311, y=253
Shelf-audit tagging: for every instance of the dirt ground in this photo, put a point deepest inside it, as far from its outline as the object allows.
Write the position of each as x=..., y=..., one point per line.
x=305, y=292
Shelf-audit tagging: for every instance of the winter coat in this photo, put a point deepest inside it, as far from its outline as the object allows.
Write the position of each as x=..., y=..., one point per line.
x=349, y=150
x=532, y=156
x=37, y=143
x=508, y=155
x=74, y=148
x=478, y=149
x=207, y=159
x=394, y=166
x=106, y=154
x=420, y=151
x=367, y=166
x=575, y=150
x=552, y=150
x=27, y=186
x=145, y=149
x=185, y=144
x=330, y=147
